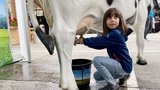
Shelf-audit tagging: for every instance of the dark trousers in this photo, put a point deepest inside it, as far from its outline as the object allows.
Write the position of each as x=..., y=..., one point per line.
x=148, y=27
x=157, y=27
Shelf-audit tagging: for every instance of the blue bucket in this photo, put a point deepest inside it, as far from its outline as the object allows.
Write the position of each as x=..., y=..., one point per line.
x=82, y=70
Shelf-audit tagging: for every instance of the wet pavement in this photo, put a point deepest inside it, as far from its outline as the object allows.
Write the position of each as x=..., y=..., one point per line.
x=43, y=71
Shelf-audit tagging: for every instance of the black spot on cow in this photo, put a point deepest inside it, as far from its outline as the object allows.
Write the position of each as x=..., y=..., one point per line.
x=131, y=19
x=109, y=2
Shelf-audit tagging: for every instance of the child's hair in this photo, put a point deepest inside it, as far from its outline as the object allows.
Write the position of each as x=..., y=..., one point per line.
x=109, y=13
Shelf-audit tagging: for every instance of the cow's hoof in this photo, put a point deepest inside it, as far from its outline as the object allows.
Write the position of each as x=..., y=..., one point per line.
x=47, y=40
x=141, y=62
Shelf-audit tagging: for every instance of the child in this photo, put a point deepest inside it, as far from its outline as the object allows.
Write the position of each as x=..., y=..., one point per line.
x=119, y=63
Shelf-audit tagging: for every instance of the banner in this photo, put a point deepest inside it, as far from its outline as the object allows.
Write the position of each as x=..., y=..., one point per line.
x=5, y=50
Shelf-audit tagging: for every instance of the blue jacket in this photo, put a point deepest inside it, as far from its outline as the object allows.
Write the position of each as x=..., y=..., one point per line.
x=151, y=13
x=114, y=41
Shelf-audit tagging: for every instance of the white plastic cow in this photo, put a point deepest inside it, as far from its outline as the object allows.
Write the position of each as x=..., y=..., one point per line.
x=65, y=16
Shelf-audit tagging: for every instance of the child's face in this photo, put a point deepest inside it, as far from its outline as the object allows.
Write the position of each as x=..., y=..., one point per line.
x=112, y=22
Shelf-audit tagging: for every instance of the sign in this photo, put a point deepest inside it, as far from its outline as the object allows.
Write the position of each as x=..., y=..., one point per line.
x=5, y=50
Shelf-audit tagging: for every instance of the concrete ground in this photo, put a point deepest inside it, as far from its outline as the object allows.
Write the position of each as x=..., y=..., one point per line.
x=43, y=71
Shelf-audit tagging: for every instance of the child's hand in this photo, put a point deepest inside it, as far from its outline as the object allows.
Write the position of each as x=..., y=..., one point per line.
x=80, y=40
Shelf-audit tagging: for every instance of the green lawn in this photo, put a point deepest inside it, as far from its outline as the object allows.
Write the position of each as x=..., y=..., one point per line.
x=5, y=53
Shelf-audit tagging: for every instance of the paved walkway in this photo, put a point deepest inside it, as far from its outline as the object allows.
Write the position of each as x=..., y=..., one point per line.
x=43, y=71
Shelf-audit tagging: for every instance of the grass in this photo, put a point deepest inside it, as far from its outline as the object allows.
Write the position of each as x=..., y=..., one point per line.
x=5, y=53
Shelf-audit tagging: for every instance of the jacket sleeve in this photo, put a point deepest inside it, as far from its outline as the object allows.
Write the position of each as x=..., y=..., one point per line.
x=128, y=33
x=101, y=42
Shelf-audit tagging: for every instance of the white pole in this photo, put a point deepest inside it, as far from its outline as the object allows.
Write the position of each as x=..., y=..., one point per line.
x=23, y=29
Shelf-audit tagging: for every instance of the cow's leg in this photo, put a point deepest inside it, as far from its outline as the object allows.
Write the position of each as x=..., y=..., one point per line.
x=64, y=41
x=140, y=45
x=139, y=29
x=47, y=40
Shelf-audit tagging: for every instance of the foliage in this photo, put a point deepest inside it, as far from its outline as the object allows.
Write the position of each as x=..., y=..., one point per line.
x=13, y=21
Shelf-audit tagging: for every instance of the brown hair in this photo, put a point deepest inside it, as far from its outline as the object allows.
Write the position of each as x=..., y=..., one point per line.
x=109, y=13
